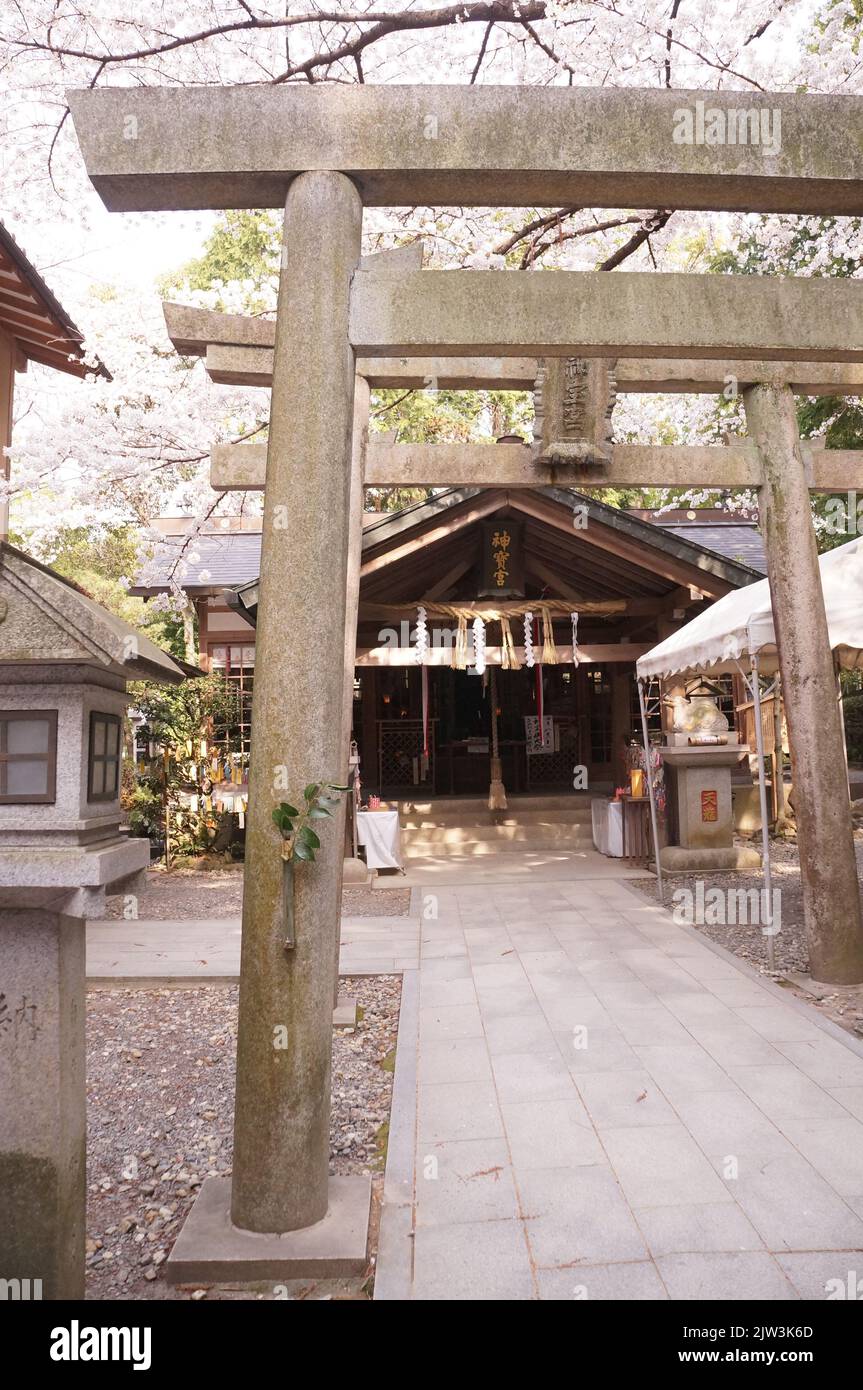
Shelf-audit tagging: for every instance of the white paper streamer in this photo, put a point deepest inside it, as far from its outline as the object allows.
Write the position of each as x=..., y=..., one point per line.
x=479, y=645
x=529, y=659
x=422, y=645
x=574, y=617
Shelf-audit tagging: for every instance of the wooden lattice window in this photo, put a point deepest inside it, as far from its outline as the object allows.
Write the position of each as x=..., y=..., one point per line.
x=235, y=661
x=599, y=713
x=103, y=764
x=28, y=756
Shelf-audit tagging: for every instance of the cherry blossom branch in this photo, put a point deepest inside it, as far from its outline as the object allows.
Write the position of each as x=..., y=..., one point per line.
x=384, y=22
x=645, y=232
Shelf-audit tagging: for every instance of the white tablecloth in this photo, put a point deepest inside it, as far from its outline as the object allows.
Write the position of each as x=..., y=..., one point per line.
x=607, y=817
x=380, y=833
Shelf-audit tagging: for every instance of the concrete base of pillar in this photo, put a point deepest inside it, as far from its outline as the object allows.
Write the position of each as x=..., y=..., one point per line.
x=43, y=1126
x=210, y=1250
x=345, y=1014
x=676, y=860
x=356, y=873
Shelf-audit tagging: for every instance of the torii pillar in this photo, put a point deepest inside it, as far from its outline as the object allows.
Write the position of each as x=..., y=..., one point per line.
x=828, y=869
x=282, y=1215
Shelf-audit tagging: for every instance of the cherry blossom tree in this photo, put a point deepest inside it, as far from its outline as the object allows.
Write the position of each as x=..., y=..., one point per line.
x=128, y=448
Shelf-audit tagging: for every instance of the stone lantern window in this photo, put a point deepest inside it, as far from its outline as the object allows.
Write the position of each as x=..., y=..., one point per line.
x=103, y=766
x=28, y=756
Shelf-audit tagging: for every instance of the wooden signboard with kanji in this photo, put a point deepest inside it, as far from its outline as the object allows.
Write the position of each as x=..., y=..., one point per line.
x=502, y=568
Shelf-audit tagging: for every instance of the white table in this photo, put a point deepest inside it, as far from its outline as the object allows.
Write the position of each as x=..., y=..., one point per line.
x=621, y=829
x=607, y=818
x=380, y=834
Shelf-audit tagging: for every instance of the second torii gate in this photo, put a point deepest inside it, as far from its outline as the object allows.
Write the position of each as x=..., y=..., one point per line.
x=324, y=152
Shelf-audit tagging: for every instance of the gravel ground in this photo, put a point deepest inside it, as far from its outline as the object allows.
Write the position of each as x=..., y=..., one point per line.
x=370, y=902
x=160, y=1105
x=210, y=892
x=843, y=1004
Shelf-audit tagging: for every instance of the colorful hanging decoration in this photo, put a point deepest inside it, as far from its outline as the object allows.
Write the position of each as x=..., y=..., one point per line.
x=422, y=635
x=479, y=645
x=508, y=658
x=529, y=658
x=574, y=617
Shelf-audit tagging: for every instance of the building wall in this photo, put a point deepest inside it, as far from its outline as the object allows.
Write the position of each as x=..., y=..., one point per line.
x=8, y=354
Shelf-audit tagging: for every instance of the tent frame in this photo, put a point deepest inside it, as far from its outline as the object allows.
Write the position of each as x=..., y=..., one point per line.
x=753, y=686
x=654, y=822
x=752, y=681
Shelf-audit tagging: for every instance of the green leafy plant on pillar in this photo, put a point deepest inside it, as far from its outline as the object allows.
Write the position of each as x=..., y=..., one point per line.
x=300, y=841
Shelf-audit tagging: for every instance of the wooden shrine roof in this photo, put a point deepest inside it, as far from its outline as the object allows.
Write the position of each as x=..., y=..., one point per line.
x=32, y=316
x=431, y=550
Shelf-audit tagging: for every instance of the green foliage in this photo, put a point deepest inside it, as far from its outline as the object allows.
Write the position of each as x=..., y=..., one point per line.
x=298, y=838
x=178, y=719
x=102, y=559
x=244, y=247
x=110, y=551
x=436, y=417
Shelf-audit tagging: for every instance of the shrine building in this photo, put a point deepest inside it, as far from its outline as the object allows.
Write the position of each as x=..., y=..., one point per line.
x=630, y=577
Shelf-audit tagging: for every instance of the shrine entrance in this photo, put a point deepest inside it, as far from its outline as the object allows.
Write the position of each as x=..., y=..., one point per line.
x=577, y=732
x=626, y=580
x=623, y=580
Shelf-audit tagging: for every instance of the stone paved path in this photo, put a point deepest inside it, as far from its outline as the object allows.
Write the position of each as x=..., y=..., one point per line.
x=190, y=951
x=590, y=1101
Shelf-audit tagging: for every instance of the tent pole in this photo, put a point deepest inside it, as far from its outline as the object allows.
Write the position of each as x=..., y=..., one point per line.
x=649, y=770
x=765, y=828
x=841, y=705
x=778, y=770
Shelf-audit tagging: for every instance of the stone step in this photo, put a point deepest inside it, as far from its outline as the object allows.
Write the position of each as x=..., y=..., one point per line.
x=462, y=828
x=442, y=806
x=578, y=815
x=469, y=849
x=545, y=834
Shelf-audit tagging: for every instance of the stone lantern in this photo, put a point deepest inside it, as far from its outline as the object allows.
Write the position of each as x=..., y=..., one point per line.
x=64, y=663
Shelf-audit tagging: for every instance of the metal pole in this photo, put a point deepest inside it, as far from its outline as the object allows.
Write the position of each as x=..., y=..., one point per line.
x=777, y=749
x=755, y=691
x=355, y=798
x=841, y=705
x=649, y=769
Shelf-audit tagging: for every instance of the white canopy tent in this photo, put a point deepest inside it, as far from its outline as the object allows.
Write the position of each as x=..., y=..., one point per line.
x=741, y=624
x=738, y=630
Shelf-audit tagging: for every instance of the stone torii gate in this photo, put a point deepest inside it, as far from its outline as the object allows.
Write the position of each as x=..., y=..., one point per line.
x=323, y=153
